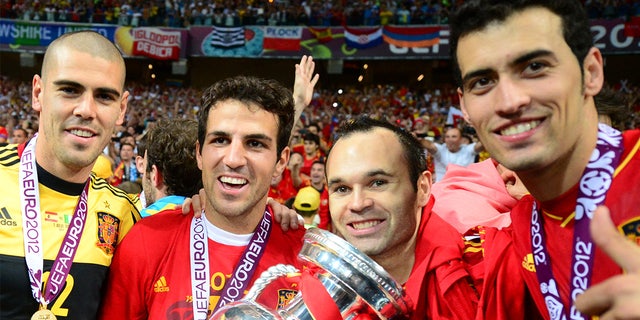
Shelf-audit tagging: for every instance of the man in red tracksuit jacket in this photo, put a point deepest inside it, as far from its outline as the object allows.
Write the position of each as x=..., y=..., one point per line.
x=380, y=202
x=527, y=75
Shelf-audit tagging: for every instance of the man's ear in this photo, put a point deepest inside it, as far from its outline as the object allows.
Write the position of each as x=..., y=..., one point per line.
x=282, y=162
x=156, y=177
x=424, y=188
x=593, y=69
x=140, y=164
x=124, y=100
x=198, y=155
x=463, y=108
x=36, y=93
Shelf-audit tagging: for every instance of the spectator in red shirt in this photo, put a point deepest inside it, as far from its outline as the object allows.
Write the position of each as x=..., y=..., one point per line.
x=310, y=152
x=317, y=181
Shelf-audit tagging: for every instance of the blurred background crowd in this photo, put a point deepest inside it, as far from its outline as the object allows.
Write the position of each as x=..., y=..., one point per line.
x=329, y=107
x=177, y=13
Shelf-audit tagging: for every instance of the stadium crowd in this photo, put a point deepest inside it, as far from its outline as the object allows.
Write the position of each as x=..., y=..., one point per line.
x=180, y=13
x=150, y=103
x=426, y=110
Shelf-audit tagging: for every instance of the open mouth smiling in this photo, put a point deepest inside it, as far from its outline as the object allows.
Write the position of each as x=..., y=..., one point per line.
x=365, y=224
x=81, y=133
x=231, y=182
x=519, y=128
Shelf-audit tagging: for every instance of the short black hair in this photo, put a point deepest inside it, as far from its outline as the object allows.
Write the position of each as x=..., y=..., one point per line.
x=413, y=151
x=311, y=137
x=268, y=95
x=476, y=15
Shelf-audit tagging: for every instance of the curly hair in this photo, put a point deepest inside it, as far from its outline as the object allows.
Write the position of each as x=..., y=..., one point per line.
x=171, y=147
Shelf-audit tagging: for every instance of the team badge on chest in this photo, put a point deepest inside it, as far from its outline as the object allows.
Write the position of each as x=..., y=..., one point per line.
x=108, y=227
x=631, y=229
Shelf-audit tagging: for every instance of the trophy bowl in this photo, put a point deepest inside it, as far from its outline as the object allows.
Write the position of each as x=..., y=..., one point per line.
x=354, y=283
x=355, y=272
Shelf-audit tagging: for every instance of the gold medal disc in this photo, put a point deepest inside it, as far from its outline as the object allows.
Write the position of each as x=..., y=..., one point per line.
x=43, y=314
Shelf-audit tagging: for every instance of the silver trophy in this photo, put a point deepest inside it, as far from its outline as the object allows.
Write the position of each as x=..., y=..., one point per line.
x=350, y=278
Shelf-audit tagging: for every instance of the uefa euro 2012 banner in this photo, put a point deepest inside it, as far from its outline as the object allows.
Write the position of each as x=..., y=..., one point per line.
x=378, y=42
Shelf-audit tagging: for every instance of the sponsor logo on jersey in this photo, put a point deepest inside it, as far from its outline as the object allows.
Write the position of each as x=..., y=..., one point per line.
x=6, y=220
x=285, y=296
x=161, y=285
x=108, y=227
x=631, y=229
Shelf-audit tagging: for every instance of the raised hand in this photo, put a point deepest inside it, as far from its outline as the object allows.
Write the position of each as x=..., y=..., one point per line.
x=303, y=84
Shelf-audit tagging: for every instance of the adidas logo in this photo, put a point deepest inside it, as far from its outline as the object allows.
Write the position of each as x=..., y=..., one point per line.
x=161, y=285
x=5, y=218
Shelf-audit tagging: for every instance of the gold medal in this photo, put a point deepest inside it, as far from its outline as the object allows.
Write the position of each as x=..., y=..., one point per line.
x=43, y=314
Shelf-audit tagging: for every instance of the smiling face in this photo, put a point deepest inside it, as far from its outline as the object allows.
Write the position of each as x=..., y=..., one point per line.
x=453, y=139
x=80, y=99
x=317, y=174
x=372, y=202
x=524, y=92
x=238, y=160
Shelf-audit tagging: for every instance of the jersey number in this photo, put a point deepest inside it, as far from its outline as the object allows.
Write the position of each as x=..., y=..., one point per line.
x=57, y=308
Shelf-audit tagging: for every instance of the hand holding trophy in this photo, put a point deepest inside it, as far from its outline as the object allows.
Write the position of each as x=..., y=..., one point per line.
x=339, y=282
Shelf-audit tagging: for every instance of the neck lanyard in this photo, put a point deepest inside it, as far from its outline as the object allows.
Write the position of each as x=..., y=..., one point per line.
x=243, y=272
x=593, y=187
x=32, y=231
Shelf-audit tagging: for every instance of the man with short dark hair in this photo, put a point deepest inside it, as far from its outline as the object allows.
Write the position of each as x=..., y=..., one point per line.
x=380, y=202
x=310, y=151
x=453, y=151
x=527, y=73
x=244, y=127
x=19, y=136
x=126, y=170
x=317, y=181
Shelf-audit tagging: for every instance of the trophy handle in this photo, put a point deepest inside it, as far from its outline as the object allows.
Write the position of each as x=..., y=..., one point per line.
x=273, y=273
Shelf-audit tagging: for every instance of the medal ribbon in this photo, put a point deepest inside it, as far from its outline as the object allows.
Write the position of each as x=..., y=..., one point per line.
x=593, y=187
x=32, y=231
x=199, y=268
x=243, y=272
